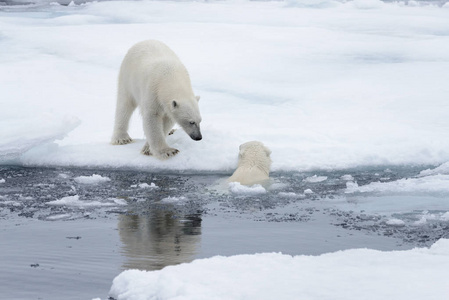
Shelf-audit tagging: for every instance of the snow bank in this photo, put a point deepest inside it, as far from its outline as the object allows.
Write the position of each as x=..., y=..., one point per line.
x=324, y=84
x=350, y=274
x=93, y=179
x=20, y=134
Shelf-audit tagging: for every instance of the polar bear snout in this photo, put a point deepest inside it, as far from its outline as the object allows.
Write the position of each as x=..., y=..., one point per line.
x=197, y=137
x=193, y=130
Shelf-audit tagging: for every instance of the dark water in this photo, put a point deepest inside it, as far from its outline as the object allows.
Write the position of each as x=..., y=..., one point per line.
x=74, y=251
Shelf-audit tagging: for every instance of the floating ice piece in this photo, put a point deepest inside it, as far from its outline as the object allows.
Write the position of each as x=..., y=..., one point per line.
x=58, y=217
x=93, y=179
x=290, y=195
x=421, y=221
x=445, y=216
x=395, y=222
x=174, y=199
x=120, y=201
x=237, y=188
x=2, y=180
x=75, y=201
x=11, y=203
x=427, y=184
x=145, y=185
x=315, y=178
x=308, y=191
x=347, y=177
x=351, y=187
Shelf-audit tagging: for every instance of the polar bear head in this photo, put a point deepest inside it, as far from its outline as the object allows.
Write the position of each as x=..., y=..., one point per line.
x=254, y=164
x=256, y=154
x=187, y=114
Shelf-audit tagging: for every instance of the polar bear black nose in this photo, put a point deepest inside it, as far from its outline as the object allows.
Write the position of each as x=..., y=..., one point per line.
x=196, y=137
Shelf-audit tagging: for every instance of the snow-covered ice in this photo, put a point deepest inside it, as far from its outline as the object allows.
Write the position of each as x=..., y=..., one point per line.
x=93, y=179
x=351, y=274
x=324, y=84
x=22, y=132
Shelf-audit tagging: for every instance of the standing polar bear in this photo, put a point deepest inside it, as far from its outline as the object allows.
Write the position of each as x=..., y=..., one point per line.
x=153, y=78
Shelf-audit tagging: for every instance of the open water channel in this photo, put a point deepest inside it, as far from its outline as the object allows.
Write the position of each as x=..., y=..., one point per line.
x=61, y=238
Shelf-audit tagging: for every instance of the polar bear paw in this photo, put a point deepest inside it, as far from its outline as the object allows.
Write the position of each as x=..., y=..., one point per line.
x=146, y=149
x=172, y=131
x=167, y=153
x=121, y=140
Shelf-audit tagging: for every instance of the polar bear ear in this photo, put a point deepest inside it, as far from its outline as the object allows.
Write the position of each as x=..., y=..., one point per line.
x=174, y=104
x=197, y=98
x=267, y=151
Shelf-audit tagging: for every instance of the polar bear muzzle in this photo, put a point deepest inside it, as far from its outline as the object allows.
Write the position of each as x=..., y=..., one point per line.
x=194, y=132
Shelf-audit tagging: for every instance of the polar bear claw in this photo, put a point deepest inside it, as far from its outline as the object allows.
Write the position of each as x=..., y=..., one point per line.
x=121, y=140
x=146, y=150
x=168, y=152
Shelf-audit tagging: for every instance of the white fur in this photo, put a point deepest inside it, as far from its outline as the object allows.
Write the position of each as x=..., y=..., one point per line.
x=254, y=164
x=153, y=78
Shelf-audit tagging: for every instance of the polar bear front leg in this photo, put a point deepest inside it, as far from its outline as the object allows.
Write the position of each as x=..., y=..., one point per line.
x=146, y=149
x=153, y=127
x=124, y=109
x=168, y=125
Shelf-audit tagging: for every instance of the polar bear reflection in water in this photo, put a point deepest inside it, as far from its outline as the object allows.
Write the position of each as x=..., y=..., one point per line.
x=158, y=239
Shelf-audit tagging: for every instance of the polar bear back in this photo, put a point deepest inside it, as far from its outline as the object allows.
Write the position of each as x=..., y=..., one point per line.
x=152, y=67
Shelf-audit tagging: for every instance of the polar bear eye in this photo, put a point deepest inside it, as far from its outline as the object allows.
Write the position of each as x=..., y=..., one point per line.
x=192, y=123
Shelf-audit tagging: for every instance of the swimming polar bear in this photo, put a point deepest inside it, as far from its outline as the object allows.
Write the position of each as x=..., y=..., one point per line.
x=254, y=164
x=153, y=78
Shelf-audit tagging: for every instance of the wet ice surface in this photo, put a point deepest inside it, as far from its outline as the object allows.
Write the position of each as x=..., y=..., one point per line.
x=66, y=233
